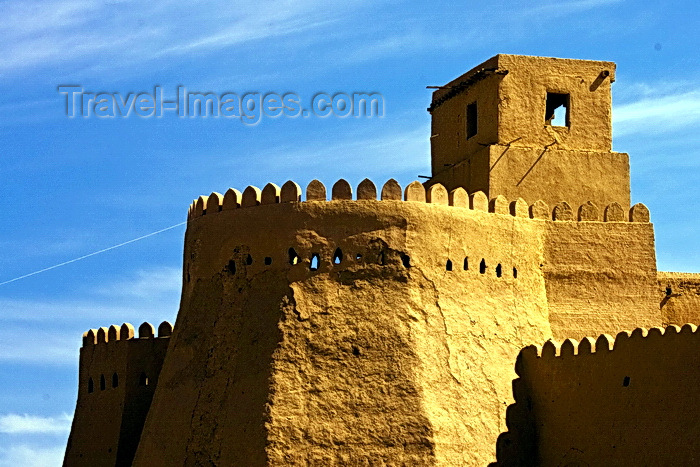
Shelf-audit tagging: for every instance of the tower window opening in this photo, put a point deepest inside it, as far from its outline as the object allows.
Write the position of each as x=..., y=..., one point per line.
x=103, y=383
x=668, y=291
x=91, y=386
x=405, y=260
x=115, y=380
x=338, y=256
x=143, y=380
x=557, y=112
x=466, y=264
x=499, y=270
x=482, y=266
x=231, y=267
x=626, y=381
x=358, y=257
x=472, y=120
x=268, y=261
x=314, y=262
x=248, y=260
x=448, y=265
x=381, y=259
x=515, y=273
x=293, y=256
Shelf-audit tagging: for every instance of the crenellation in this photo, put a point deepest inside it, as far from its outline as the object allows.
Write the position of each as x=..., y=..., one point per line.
x=499, y=205
x=113, y=333
x=540, y=210
x=214, y=202
x=478, y=201
x=251, y=197
x=200, y=208
x=569, y=348
x=614, y=213
x=165, y=329
x=126, y=331
x=391, y=191
x=146, y=331
x=551, y=349
x=232, y=200
x=589, y=212
x=290, y=192
x=366, y=190
x=316, y=191
x=415, y=191
x=271, y=194
x=102, y=335
x=341, y=190
x=563, y=212
x=459, y=198
x=519, y=208
x=626, y=341
x=639, y=213
x=437, y=194
x=586, y=346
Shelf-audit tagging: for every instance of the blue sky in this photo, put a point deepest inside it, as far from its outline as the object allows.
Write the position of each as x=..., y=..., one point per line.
x=75, y=186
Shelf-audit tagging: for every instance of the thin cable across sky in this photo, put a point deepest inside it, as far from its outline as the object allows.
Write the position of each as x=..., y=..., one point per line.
x=93, y=253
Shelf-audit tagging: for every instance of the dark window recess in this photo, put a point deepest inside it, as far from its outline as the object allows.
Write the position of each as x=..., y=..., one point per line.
x=231, y=267
x=472, y=120
x=668, y=291
x=91, y=385
x=515, y=273
x=115, y=380
x=499, y=271
x=448, y=265
x=381, y=259
x=314, y=262
x=406, y=260
x=626, y=381
x=557, y=112
x=466, y=264
x=143, y=380
x=358, y=257
x=293, y=256
x=482, y=266
x=338, y=256
x=103, y=383
x=268, y=261
x=248, y=260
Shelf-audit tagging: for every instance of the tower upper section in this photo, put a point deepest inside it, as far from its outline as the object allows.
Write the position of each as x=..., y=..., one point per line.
x=530, y=127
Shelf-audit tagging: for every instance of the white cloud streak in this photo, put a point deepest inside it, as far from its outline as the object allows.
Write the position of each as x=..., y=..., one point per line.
x=148, y=284
x=48, y=32
x=655, y=114
x=31, y=456
x=16, y=424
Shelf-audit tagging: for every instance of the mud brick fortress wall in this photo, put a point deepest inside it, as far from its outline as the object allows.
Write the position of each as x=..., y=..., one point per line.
x=381, y=325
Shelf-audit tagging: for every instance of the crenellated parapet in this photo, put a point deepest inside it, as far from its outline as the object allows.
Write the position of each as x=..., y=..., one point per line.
x=436, y=194
x=118, y=375
x=629, y=396
x=624, y=341
x=125, y=332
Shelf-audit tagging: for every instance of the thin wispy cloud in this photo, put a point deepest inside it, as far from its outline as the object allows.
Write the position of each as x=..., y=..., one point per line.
x=564, y=8
x=106, y=310
x=46, y=33
x=355, y=155
x=31, y=456
x=33, y=424
x=148, y=284
x=658, y=114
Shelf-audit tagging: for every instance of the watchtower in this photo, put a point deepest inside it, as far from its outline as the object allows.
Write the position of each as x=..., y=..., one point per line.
x=530, y=127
